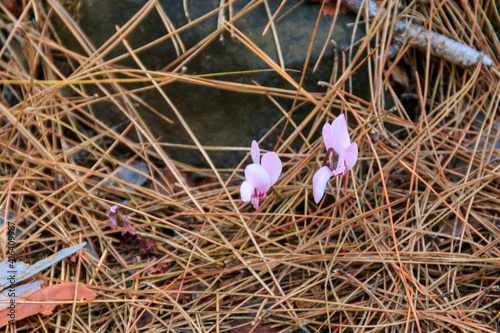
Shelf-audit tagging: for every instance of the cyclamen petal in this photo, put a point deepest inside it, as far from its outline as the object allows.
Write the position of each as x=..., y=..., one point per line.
x=272, y=163
x=254, y=151
x=127, y=224
x=111, y=214
x=320, y=179
x=258, y=177
x=328, y=136
x=351, y=155
x=255, y=202
x=340, y=133
x=341, y=169
x=246, y=191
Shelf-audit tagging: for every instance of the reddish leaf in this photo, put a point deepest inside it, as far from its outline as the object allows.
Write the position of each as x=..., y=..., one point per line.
x=172, y=183
x=330, y=8
x=73, y=258
x=14, y=8
x=144, y=320
x=64, y=292
x=232, y=280
x=160, y=268
x=146, y=244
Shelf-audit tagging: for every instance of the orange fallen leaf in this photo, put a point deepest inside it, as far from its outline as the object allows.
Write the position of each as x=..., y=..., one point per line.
x=330, y=8
x=160, y=268
x=56, y=294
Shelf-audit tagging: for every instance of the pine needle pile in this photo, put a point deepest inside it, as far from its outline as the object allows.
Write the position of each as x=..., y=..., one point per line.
x=406, y=241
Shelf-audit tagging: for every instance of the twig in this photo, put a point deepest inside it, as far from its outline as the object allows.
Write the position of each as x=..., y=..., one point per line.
x=440, y=46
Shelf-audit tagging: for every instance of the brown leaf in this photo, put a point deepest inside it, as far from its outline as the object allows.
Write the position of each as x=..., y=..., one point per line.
x=146, y=244
x=330, y=8
x=160, y=268
x=64, y=292
x=208, y=183
x=232, y=280
x=144, y=320
x=400, y=76
x=14, y=8
x=172, y=183
x=74, y=257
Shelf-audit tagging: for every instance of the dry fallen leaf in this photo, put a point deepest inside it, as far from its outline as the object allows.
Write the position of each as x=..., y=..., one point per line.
x=13, y=7
x=400, y=76
x=160, y=268
x=227, y=282
x=145, y=244
x=172, y=183
x=56, y=294
x=21, y=290
x=145, y=319
x=330, y=8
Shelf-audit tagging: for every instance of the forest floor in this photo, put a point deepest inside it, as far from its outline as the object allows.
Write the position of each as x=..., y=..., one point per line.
x=407, y=241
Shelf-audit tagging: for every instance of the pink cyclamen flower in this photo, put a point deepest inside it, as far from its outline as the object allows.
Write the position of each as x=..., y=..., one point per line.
x=116, y=218
x=260, y=176
x=336, y=139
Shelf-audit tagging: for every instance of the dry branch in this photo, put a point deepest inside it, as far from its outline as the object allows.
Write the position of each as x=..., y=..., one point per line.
x=440, y=46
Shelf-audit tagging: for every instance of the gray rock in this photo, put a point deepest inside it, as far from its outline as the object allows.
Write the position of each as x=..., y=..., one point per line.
x=217, y=117
x=131, y=174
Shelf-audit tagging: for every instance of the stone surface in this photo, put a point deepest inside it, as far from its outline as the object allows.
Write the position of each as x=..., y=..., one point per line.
x=217, y=117
x=132, y=174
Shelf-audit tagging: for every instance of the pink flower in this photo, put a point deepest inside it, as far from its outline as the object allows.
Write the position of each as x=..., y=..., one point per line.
x=259, y=177
x=337, y=140
x=117, y=217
